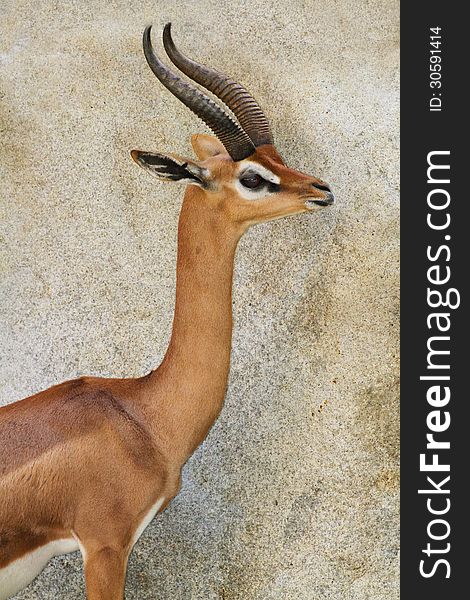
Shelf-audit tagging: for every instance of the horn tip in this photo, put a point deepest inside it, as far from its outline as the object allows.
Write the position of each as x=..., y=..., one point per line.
x=147, y=38
x=167, y=34
x=147, y=31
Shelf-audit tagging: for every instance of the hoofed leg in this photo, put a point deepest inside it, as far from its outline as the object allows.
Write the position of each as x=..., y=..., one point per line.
x=105, y=573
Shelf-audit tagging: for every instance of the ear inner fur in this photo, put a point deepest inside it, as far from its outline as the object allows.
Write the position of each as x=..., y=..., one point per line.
x=169, y=167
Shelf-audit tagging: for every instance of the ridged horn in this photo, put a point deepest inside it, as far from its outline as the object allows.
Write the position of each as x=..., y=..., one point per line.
x=236, y=141
x=234, y=95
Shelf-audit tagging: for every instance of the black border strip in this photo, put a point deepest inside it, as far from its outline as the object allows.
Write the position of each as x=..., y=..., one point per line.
x=424, y=131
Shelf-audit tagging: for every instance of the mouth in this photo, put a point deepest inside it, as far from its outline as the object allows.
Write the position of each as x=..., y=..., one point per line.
x=327, y=201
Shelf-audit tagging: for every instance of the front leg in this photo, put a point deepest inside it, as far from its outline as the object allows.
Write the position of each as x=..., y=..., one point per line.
x=105, y=572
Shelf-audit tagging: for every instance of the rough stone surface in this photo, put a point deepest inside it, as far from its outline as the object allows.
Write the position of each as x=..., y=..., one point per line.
x=294, y=494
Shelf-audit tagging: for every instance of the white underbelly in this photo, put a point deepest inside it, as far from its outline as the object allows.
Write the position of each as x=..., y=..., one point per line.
x=146, y=520
x=18, y=574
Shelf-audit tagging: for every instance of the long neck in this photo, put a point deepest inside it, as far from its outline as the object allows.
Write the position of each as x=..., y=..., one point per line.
x=191, y=381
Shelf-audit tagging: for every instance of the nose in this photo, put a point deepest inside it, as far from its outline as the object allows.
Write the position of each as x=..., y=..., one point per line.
x=329, y=197
x=322, y=186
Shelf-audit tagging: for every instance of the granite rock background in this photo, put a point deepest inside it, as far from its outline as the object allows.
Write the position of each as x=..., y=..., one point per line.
x=294, y=494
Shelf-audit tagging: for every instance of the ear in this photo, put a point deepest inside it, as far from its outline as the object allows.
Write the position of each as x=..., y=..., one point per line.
x=169, y=167
x=206, y=146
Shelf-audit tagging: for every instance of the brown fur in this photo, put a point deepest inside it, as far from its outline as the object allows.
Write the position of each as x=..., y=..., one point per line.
x=91, y=456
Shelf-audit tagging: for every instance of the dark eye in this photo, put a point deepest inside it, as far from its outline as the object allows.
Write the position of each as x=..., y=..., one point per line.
x=251, y=180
